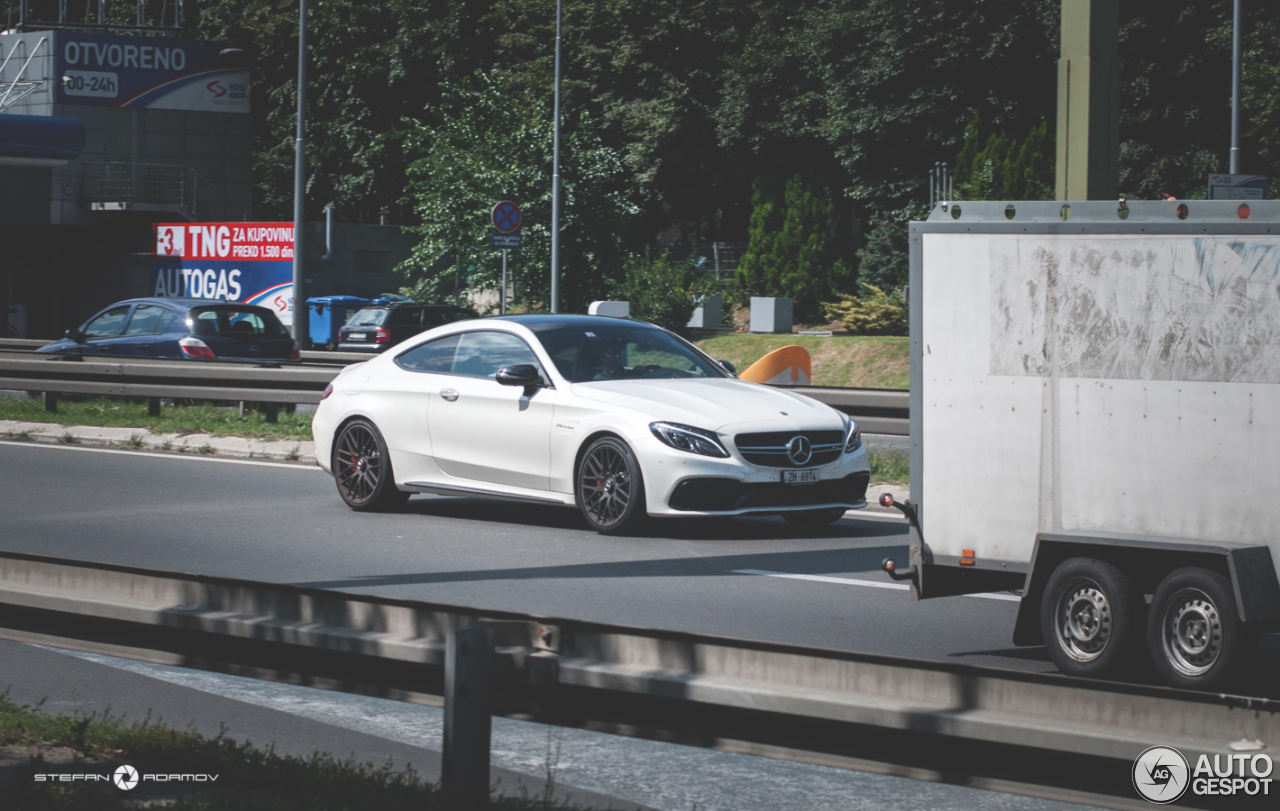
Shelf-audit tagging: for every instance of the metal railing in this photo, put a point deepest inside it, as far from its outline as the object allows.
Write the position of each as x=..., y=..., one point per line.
x=124, y=186
x=23, y=88
x=1044, y=735
x=878, y=411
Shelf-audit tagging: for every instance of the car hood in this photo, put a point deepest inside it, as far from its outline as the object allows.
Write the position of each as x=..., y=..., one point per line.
x=712, y=403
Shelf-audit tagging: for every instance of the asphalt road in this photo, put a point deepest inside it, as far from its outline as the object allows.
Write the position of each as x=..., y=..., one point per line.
x=758, y=579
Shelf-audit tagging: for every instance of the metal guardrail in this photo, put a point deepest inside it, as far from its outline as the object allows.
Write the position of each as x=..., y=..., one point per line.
x=155, y=379
x=878, y=411
x=1043, y=735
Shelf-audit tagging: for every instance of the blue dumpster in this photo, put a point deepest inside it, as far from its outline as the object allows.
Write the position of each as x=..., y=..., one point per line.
x=329, y=313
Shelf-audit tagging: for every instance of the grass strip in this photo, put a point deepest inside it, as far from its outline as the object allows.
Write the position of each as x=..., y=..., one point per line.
x=249, y=779
x=215, y=419
x=889, y=466
x=857, y=361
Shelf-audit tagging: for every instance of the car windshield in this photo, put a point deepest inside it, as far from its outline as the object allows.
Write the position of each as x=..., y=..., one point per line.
x=229, y=320
x=369, y=317
x=625, y=351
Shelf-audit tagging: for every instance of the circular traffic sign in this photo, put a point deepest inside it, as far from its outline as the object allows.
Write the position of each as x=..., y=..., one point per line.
x=506, y=216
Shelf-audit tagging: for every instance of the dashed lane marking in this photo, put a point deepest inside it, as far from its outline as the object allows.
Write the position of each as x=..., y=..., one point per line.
x=849, y=581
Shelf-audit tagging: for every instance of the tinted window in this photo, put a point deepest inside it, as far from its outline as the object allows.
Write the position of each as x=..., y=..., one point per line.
x=108, y=324
x=149, y=319
x=482, y=354
x=624, y=351
x=235, y=321
x=433, y=356
x=406, y=317
x=368, y=317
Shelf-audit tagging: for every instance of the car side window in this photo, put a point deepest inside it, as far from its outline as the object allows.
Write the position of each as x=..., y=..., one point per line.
x=148, y=319
x=434, y=357
x=483, y=353
x=406, y=317
x=108, y=324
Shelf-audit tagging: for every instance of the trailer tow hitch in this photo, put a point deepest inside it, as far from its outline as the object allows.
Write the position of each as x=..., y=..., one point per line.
x=889, y=565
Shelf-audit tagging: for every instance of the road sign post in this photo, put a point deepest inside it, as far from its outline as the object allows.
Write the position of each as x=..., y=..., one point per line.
x=506, y=218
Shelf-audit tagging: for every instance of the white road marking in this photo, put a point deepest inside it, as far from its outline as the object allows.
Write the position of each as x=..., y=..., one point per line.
x=876, y=515
x=188, y=457
x=849, y=581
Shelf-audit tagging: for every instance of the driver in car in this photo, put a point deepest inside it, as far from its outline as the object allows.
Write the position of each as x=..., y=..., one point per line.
x=610, y=362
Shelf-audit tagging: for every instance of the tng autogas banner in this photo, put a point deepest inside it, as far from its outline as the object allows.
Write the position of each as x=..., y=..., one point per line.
x=168, y=74
x=250, y=262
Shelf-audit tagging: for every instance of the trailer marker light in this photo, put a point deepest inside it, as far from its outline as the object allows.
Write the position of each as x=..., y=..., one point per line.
x=966, y=557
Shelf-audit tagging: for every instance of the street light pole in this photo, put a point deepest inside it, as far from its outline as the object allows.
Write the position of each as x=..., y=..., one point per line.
x=299, y=186
x=1235, y=87
x=555, y=177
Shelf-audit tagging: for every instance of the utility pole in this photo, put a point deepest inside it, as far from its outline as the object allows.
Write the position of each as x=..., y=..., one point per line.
x=1237, y=15
x=299, y=186
x=555, y=176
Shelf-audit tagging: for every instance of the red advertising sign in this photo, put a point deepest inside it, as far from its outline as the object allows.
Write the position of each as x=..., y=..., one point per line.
x=251, y=241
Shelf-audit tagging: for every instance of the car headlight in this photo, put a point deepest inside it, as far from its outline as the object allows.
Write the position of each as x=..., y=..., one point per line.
x=852, y=437
x=688, y=438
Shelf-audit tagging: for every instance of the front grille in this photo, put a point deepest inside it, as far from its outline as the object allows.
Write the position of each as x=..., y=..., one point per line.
x=725, y=495
x=769, y=448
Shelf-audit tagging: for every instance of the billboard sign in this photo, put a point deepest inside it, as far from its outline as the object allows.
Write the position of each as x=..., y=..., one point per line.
x=250, y=262
x=157, y=73
x=1237, y=187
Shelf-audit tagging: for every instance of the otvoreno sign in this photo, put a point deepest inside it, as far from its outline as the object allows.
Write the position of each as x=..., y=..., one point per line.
x=251, y=262
x=153, y=72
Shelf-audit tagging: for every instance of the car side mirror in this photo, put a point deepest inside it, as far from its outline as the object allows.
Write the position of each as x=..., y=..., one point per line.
x=729, y=367
x=521, y=374
x=76, y=335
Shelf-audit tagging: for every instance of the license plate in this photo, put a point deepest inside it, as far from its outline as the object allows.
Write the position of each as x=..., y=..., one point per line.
x=356, y=336
x=800, y=477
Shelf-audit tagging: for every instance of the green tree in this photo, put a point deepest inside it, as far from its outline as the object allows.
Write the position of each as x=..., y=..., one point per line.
x=661, y=291
x=1005, y=168
x=796, y=249
x=368, y=71
x=495, y=144
x=900, y=80
x=885, y=262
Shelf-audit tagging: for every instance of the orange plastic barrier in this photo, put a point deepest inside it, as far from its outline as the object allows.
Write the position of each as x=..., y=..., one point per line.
x=788, y=366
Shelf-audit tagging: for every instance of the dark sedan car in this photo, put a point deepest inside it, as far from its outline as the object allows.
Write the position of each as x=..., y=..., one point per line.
x=199, y=329
x=373, y=329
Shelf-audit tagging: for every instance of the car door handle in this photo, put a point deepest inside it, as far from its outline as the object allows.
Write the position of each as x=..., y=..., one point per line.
x=449, y=394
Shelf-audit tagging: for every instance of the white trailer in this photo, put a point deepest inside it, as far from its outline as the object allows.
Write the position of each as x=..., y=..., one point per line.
x=1095, y=421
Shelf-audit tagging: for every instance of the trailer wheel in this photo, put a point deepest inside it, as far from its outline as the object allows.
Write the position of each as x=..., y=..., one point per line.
x=1194, y=634
x=1091, y=618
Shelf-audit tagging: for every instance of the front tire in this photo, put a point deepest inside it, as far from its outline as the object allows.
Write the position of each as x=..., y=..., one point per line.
x=1194, y=634
x=362, y=469
x=1091, y=618
x=610, y=488
x=815, y=518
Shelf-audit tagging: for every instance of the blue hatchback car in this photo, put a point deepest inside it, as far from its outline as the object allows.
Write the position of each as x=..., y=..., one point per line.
x=190, y=329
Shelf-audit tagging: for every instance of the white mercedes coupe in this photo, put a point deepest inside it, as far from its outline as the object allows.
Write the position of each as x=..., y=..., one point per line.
x=621, y=418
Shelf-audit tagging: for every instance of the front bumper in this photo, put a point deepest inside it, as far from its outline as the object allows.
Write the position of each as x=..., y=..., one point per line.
x=735, y=497
x=684, y=484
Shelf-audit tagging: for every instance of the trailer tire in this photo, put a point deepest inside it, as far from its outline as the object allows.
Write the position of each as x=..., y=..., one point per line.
x=1091, y=618
x=1194, y=634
